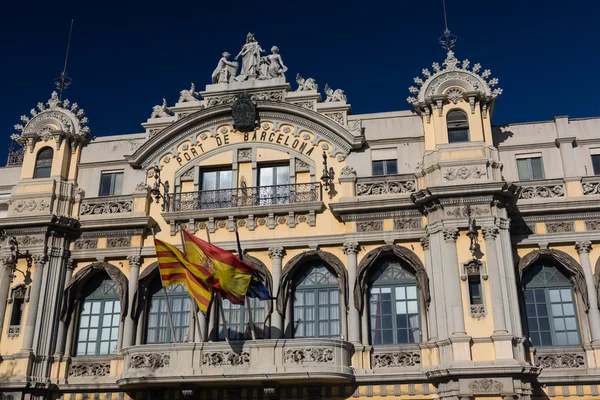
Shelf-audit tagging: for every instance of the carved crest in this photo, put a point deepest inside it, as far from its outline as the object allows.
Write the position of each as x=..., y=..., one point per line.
x=244, y=114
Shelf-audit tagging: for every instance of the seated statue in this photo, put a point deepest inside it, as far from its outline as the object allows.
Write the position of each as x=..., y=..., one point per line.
x=272, y=66
x=225, y=70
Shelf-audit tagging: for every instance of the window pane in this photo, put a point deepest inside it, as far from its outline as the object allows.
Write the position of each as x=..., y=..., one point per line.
x=596, y=164
x=225, y=180
x=523, y=169
x=118, y=184
x=378, y=168
x=537, y=169
x=458, y=136
x=266, y=176
x=283, y=175
x=391, y=167
x=209, y=180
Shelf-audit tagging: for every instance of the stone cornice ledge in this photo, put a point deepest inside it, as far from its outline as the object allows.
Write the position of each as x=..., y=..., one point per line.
x=556, y=238
x=120, y=221
x=475, y=369
x=316, y=206
x=560, y=204
x=371, y=203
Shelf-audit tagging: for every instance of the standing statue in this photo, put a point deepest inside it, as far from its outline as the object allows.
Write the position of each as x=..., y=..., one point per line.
x=333, y=96
x=225, y=70
x=272, y=66
x=250, y=58
x=306, y=84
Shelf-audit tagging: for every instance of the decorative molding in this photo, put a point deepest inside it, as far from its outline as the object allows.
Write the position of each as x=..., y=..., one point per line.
x=118, y=242
x=451, y=174
x=396, y=359
x=542, y=191
x=387, y=187
x=150, y=360
x=348, y=172
x=485, y=385
x=89, y=369
x=84, y=244
x=244, y=155
x=461, y=212
x=29, y=240
x=302, y=166
x=222, y=358
x=564, y=360
x=25, y=206
x=477, y=311
x=369, y=226
x=13, y=331
x=99, y=207
x=136, y=260
x=309, y=355
x=560, y=227
x=590, y=188
x=592, y=225
x=337, y=117
x=408, y=223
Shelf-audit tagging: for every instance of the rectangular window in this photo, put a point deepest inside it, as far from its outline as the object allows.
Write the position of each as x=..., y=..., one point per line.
x=111, y=183
x=385, y=167
x=235, y=314
x=475, y=296
x=17, y=311
x=596, y=163
x=98, y=327
x=530, y=168
x=215, y=189
x=274, y=184
x=159, y=327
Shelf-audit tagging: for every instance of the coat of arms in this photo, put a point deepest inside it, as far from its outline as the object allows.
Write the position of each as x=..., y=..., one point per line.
x=243, y=111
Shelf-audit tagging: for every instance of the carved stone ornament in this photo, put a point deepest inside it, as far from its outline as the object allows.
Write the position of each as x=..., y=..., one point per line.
x=142, y=187
x=302, y=166
x=161, y=111
x=351, y=247
x=592, y=225
x=309, y=355
x=388, y=187
x=451, y=174
x=337, y=117
x=244, y=114
x=477, y=311
x=455, y=94
x=334, y=96
x=485, y=385
x=29, y=241
x=106, y=207
x=89, y=369
x=223, y=358
x=542, y=192
x=398, y=359
x=244, y=155
x=560, y=227
x=13, y=331
x=590, y=188
x=347, y=172
x=369, y=226
x=306, y=84
x=462, y=212
x=276, y=252
x=490, y=232
x=565, y=360
x=149, y=360
x=450, y=234
x=408, y=223
x=85, y=244
x=31, y=205
x=118, y=242
x=188, y=95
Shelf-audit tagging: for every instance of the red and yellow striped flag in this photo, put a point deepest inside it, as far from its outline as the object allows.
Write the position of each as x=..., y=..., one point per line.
x=232, y=275
x=176, y=269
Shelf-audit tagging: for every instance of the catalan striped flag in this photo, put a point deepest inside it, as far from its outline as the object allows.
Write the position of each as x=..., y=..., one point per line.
x=176, y=269
x=232, y=275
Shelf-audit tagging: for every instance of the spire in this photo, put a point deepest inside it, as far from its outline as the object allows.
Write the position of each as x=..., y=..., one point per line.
x=64, y=81
x=447, y=40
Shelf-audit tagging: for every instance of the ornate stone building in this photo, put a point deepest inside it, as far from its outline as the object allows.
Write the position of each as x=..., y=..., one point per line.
x=435, y=255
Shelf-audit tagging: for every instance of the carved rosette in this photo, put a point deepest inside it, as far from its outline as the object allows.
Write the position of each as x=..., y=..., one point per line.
x=485, y=385
x=149, y=360
x=398, y=359
x=309, y=355
x=276, y=252
x=565, y=360
x=89, y=369
x=223, y=358
x=351, y=248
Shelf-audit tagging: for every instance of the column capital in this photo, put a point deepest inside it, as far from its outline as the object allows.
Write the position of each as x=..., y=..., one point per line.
x=425, y=242
x=351, y=247
x=39, y=259
x=135, y=261
x=503, y=223
x=490, y=232
x=8, y=261
x=276, y=252
x=450, y=234
x=583, y=246
x=71, y=264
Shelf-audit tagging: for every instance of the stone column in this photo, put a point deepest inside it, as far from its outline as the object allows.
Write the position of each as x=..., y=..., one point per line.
x=351, y=249
x=583, y=248
x=62, y=327
x=276, y=255
x=489, y=234
x=129, y=331
x=7, y=263
x=34, y=302
x=431, y=315
x=454, y=306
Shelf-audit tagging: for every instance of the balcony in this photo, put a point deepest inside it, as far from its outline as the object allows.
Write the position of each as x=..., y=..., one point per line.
x=251, y=206
x=277, y=361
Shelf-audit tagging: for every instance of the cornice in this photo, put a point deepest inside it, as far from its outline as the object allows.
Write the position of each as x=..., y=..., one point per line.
x=555, y=238
x=370, y=204
x=558, y=205
x=526, y=146
x=116, y=222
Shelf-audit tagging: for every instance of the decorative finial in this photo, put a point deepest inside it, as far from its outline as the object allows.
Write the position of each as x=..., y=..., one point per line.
x=64, y=81
x=447, y=40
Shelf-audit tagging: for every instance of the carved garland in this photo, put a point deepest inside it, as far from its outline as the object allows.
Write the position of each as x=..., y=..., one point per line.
x=89, y=369
x=309, y=355
x=222, y=358
x=396, y=359
x=553, y=361
x=150, y=360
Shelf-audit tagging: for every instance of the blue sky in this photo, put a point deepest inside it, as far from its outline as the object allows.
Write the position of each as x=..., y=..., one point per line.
x=125, y=57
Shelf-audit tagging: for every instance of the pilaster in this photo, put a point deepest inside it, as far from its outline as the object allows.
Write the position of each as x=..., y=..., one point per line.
x=134, y=272
x=7, y=264
x=351, y=250
x=432, y=315
x=39, y=261
x=583, y=249
x=62, y=326
x=276, y=255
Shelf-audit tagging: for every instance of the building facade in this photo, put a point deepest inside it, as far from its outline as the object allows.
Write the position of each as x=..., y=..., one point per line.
x=414, y=254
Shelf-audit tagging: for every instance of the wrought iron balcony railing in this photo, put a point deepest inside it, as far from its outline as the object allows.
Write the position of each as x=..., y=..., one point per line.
x=245, y=197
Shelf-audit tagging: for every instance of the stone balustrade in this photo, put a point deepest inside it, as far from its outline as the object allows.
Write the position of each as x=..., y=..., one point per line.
x=260, y=361
x=386, y=184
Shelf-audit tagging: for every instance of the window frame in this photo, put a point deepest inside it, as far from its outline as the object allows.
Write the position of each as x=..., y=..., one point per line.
x=275, y=193
x=458, y=128
x=528, y=158
x=176, y=292
x=112, y=191
x=393, y=284
x=258, y=307
x=385, y=167
x=597, y=157
x=37, y=167
x=315, y=289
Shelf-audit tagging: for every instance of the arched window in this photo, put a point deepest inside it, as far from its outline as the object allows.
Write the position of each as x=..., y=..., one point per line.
x=43, y=164
x=316, y=303
x=550, y=306
x=99, y=318
x=158, y=327
x=238, y=320
x=458, y=126
x=394, y=306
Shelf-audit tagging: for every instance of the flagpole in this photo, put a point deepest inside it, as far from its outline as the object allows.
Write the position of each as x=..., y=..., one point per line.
x=166, y=299
x=241, y=257
x=220, y=305
x=196, y=309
